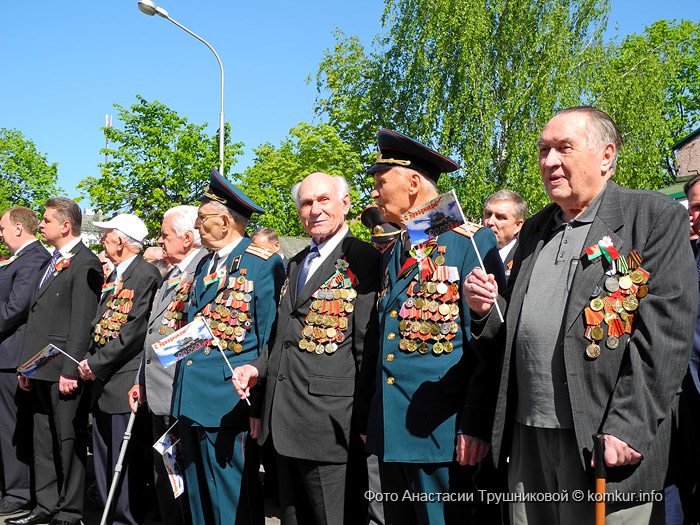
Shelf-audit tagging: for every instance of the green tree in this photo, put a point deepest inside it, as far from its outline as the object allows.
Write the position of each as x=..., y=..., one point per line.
x=650, y=85
x=26, y=177
x=476, y=80
x=307, y=149
x=159, y=160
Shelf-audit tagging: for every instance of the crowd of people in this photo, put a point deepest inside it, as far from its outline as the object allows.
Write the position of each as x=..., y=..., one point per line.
x=457, y=380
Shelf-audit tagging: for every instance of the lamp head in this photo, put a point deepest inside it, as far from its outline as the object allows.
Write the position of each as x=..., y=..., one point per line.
x=150, y=8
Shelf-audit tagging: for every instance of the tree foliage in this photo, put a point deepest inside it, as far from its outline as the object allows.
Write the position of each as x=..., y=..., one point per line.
x=307, y=149
x=26, y=177
x=478, y=79
x=159, y=160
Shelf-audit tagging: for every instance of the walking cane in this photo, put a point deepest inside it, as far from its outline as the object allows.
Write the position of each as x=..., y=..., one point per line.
x=600, y=475
x=120, y=460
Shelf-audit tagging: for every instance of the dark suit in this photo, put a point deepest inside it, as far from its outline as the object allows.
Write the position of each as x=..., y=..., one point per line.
x=18, y=280
x=625, y=392
x=309, y=397
x=213, y=420
x=60, y=313
x=114, y=361
x=157, y=382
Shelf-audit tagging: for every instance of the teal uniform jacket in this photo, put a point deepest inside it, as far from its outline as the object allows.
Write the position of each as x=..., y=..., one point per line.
x=424, y=397
x=204, y=394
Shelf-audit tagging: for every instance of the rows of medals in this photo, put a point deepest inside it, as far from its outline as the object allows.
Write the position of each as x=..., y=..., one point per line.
x=429, y=318
x=229, y=316
x=118, y=307
x=175, y=315
x=327, y=319
x=615, y=304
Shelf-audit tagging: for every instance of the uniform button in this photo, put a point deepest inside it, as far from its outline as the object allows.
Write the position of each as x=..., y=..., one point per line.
x=189, y=362
x=390, y=380
x=393, y=313
x=148, y=361
x=390, y=357
x=150, y=330
x=206, y=351
x=391, y=336
x=281, y=377
x=286, y=344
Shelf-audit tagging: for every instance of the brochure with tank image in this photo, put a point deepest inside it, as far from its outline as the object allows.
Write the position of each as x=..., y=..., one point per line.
x=182, y=343
x=434, y=217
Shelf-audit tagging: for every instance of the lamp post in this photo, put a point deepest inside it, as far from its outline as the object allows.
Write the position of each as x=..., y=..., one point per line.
x=150, y=8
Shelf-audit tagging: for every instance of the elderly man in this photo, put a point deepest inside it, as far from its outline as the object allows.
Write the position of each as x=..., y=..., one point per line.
x=313, y=360
x=19, y=276
x=60, y=313
x=613, y=270
x=268, y=238
x=119, y=330
x=504, y=214
x=434, y=388
x=182, y=248
x=235, y=289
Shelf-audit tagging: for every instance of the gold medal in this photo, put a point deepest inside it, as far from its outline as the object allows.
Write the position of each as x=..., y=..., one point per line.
x=412, y=346
x=237, y=348
x=438, y=348
x=440, y=260
x=349, y=308
x=161, y=330
x=642, y=291
x=432, y=288
x=342, y=322
x=625, y=282
x=423, y=348
x=311, y=347
x=597, y=333
x=448, y=347
x=403, y=344
x=303, y=344
x=597, y=304
x=637, y=277
x=630, y=303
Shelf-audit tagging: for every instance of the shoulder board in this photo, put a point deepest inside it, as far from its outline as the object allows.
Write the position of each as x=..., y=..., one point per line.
x=467, y=229
x=260, y=251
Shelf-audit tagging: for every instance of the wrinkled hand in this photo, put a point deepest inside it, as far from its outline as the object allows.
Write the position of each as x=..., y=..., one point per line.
x=470, y=450
x=24, y=383
x=245, y=378
x=85, y=371
x=254, y=427
x=66, y=384
x=618, y=453
x=480, y=291
x=135, y=401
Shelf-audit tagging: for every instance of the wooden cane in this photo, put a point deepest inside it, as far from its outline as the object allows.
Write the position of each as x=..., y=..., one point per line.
x=600, y=476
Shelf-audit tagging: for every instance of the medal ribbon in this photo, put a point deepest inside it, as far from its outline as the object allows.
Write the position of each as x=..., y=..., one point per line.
x=64, y=262
x=422, y=252
x=219, y=275
x=5, y=263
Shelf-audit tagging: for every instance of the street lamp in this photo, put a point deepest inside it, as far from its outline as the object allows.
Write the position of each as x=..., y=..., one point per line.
x=150, y=8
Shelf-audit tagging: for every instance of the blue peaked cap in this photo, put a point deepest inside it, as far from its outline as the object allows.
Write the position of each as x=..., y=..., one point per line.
x=221, y=190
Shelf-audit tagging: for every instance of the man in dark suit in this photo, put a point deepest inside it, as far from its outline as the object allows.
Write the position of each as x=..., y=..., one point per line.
x=182, y=248
x=118, y=330
x=601, y=309
x=504, y=214
x=326, y=330
x=433, y=399
x=19, y=276
x=60, y=313
x=235, y=290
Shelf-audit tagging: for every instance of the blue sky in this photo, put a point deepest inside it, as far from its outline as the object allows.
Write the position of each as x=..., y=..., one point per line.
x=66, y=63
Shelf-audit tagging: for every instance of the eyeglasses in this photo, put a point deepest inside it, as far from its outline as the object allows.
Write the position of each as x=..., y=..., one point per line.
x=202, y=217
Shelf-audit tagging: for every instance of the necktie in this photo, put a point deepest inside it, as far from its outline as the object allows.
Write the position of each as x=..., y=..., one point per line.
x=52, y=264
x=112, y=276
x=405, y=247
x=304, y=273
x=214, y=263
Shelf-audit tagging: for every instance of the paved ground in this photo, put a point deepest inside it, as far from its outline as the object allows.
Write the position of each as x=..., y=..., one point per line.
x=94, y=509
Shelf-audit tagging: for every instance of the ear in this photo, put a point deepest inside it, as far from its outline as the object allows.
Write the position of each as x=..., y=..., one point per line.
x=188, y=239
x=518, y=225
x=65, y=228
x=415, y=183
x=608, y=157
x=346, y=204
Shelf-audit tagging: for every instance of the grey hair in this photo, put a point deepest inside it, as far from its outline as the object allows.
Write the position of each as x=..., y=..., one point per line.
x=183, y=222
x=602, y=130
x=225, y=210
x=128, y=240
x=341, y=183
x=508, y=195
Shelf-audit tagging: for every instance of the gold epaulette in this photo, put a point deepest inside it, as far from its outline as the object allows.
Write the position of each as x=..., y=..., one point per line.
x=260, y=251
x=467, y=229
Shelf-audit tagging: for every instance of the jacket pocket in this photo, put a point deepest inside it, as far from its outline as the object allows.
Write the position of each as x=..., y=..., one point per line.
x=331, y=386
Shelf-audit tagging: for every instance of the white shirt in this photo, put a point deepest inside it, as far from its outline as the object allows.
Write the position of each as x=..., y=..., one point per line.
x=24, y=246
x=503, y=252
x=325, y=249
